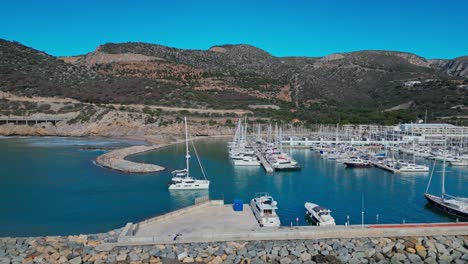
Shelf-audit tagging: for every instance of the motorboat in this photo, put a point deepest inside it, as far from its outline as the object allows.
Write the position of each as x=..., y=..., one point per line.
x=411, y=167
x=264, y=208
x=247, y=161
x=357, y=163
x=283, y=162
x=319, y=215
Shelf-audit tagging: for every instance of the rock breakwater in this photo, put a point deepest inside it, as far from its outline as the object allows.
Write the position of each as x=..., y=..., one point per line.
x=83, y=249
x=116, y=159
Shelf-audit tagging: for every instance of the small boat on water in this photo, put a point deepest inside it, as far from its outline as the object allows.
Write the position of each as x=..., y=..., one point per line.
x=319, y=215
x=264, y=208
x=181, y=179
x=357, y=163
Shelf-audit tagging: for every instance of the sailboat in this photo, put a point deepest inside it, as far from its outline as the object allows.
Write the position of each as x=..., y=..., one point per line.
x=181, y=179
x=456, y=206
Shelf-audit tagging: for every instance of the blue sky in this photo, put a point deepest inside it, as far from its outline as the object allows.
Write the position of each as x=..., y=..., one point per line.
x=430, y=28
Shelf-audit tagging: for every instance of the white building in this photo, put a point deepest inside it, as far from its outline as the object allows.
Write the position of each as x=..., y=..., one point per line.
x=430, y=132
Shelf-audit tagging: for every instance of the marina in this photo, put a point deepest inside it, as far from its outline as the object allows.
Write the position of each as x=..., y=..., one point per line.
x=78, y=181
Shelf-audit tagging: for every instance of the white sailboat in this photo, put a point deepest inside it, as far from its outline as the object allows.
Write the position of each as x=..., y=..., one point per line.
x=181, y=179
x=456, y=206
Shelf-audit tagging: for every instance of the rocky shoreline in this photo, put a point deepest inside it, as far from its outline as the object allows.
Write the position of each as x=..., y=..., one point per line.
x=85, y=249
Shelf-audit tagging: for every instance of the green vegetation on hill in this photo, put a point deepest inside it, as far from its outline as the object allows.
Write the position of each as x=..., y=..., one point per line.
x=364, y=87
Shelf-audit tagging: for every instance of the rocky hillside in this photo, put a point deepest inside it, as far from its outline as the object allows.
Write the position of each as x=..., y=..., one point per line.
x=343, y=86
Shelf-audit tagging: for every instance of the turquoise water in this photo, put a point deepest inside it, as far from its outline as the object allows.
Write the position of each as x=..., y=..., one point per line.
x=50, y=186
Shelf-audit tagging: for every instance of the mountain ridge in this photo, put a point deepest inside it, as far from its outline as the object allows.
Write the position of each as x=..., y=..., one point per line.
x=239, y=75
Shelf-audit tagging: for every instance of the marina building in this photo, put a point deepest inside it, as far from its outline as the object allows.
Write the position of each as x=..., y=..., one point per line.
x=430, y=132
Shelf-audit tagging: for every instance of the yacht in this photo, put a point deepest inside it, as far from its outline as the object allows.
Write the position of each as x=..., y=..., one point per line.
x=412, y=167
x=284, y=163
x=319, y=214
x=459, y=162
x=357, y=163
x=247, y=161
x=181, y=179
x=264, y=208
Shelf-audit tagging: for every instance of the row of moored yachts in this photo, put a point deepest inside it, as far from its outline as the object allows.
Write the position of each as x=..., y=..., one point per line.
x=244, y=151
x=366, y=157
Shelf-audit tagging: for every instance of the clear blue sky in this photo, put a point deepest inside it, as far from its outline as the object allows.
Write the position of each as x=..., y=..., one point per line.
x=430, y=28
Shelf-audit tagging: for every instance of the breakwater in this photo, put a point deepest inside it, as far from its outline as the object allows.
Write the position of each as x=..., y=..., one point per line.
x=86, y=249
x=116, y=159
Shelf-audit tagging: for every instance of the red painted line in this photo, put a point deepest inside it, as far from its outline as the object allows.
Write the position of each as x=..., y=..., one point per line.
x=419, y=225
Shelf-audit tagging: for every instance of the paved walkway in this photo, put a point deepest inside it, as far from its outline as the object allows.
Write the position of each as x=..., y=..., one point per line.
x=201, y=221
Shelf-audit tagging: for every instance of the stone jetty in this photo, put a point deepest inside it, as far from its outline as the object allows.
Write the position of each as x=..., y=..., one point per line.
x=115, y=159
x=85, y=249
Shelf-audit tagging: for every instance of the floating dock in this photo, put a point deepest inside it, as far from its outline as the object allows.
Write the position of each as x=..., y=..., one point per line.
x=266, y=165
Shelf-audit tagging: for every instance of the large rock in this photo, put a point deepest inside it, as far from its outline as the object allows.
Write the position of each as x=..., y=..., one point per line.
x=76, y=260
x=414, y=258
x=306, y=256
x=188, y=260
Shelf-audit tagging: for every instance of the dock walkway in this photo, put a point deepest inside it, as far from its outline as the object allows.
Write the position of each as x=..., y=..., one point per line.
x=266, y=165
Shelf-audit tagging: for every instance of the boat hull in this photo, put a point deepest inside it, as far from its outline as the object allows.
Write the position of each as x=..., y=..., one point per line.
x=287, y=168
x=355, y=165
x=190, y=186
x=246, y=163
x=437, y=203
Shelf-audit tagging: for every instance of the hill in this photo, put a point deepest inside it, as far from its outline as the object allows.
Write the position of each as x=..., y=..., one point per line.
x=363, y=86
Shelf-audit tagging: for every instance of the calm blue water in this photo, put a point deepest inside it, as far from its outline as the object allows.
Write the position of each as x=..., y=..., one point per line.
x=50, y=186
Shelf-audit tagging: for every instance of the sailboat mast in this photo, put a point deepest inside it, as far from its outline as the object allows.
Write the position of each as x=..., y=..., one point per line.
x=443, y=164
x=414, y=150
x=187, y=155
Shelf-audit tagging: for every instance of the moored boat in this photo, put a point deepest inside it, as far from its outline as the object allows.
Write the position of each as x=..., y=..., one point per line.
x=456, y=206
x=264, y=208
x=357, y=163
x=319, y=215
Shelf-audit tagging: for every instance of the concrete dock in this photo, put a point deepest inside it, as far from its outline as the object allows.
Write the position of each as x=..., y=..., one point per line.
x=266, y=165
x=213, y=221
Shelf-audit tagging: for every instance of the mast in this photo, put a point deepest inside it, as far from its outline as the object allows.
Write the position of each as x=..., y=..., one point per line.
x=414, y=150
x=443, y=164
x=187, y=154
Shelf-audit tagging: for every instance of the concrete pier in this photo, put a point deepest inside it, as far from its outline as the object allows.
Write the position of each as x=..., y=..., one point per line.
x=213, y=221
x=266, y=165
